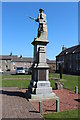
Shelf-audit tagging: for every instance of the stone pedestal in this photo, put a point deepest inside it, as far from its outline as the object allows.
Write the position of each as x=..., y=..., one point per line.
x=39, y=85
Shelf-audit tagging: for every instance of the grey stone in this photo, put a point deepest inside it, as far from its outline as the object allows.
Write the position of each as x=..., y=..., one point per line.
x=42, y=30
x=59, y=85
x=40, y=86
x=44, y=90
x=43, y=96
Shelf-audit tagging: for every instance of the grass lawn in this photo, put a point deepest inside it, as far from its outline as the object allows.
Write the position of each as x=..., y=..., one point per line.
x=69, y=81
x=16, y=83
x=23, y=81
x=15, y=76
x=64, y=114
x=20, y=81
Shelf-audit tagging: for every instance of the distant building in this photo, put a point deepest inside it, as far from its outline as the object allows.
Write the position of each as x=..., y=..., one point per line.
x=70, y=60
x=52, y=65
x=10, y=62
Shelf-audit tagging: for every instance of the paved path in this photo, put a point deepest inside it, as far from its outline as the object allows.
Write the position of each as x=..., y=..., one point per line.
x=14, y=105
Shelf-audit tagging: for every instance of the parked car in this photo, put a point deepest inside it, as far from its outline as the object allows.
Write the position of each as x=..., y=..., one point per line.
x=30, y=71
x=20, y=70
x=26, y=70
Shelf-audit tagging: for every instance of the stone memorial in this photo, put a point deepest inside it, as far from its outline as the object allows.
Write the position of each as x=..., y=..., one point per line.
x=59, y=85
x=39, y=85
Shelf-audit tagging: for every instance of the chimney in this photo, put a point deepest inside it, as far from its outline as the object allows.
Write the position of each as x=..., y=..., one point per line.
x=20, y=56
x=63, y=48
x=11, y=54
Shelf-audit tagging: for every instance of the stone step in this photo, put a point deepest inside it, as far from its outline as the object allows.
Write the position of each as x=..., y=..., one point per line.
x=43, y=90
x=43, y=84
x=43, y=96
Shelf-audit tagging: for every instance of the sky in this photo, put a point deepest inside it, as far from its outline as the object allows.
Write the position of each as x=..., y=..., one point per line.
x=18, y=31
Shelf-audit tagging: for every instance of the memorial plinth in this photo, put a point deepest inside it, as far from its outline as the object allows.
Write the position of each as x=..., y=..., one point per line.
x=39, y=85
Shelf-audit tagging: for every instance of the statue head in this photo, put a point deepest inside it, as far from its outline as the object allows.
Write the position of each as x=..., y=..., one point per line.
x=41, y=10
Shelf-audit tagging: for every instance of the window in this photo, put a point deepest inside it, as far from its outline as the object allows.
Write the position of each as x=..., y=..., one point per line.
x=63, y=59
x=53, y=67
x=14, y=67
x=6, y=67
x=24, y=63
x=13, y=63
x=77, y=56
x=70, y=66
x=63, y=65
x=66, y=52
x=57, y=66
x=6, y=61
x=73, y=51
x=77, y=67
x=70, y=56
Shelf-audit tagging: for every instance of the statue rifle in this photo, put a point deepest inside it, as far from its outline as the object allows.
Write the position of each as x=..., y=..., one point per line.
x=31, y=18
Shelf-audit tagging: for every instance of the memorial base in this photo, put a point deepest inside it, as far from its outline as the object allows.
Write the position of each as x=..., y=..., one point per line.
x=42, y=91
x=43, y=96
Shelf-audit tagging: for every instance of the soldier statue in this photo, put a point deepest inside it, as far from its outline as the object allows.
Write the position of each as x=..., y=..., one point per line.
x=42, y=29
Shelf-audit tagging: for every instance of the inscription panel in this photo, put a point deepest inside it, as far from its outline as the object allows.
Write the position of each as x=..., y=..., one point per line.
x=42, y=75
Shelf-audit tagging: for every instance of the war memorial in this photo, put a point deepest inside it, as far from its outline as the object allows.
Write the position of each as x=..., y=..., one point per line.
x=39, y=87
x=23, y=97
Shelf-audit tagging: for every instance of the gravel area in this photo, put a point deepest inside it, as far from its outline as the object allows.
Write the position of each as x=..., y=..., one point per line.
x=68, y=101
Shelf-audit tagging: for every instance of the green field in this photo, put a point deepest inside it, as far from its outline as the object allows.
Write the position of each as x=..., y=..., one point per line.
x=64, y=115
x=69, y=81
x=16, y=83
x=22, y=81
x=15, y=76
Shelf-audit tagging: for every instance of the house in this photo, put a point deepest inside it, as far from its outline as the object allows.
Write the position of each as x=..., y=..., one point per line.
x=52, y=65
x=70, y=60
x=10, y=62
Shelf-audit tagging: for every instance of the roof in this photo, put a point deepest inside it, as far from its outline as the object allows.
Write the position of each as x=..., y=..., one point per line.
x=7, y=57
x=51, y=61
x=23, y=59
x=71, y=50
x=15, y=58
